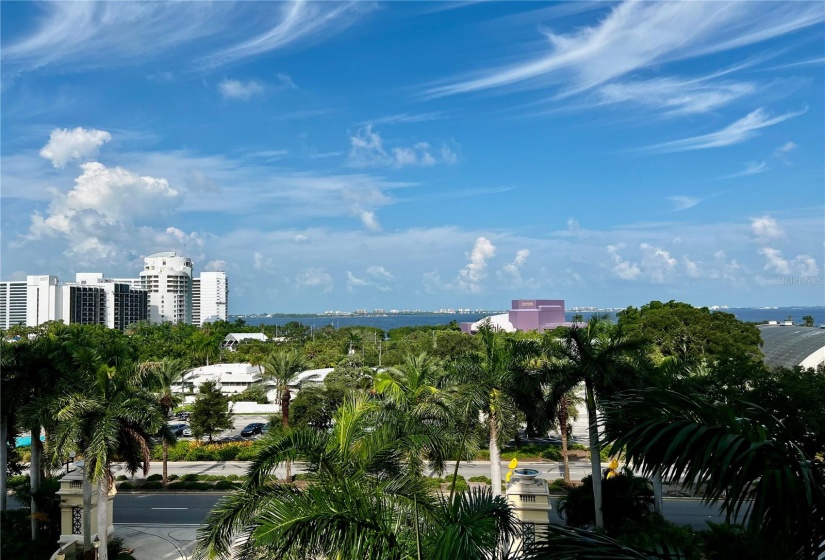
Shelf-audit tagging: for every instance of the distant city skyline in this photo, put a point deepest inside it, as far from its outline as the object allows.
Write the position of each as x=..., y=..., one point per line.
x=421, y=155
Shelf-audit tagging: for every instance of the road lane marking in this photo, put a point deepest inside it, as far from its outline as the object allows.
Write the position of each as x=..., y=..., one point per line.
x=169, y=508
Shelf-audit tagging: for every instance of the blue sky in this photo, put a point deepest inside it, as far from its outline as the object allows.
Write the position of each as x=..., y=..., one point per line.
x=417, y=155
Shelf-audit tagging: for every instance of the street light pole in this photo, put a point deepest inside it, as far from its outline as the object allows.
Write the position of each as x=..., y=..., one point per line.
x=96, y=544
x=72, y=455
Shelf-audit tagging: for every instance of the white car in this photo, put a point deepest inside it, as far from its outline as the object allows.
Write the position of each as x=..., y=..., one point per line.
x=187, y=431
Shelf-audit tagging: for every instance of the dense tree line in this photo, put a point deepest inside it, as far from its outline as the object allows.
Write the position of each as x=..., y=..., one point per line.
x=678, y=392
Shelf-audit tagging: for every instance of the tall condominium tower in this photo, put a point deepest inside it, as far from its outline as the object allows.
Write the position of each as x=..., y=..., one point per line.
x=213, y=298
x=13, y=303
x=168, y=279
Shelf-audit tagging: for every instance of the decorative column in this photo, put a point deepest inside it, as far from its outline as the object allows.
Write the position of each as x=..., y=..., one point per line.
x=529, y=498
x=71, y=507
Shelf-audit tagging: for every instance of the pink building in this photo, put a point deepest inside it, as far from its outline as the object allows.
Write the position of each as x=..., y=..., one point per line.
x=525, y=315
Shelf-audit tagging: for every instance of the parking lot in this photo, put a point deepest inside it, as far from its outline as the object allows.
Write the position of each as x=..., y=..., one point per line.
x=232, y=434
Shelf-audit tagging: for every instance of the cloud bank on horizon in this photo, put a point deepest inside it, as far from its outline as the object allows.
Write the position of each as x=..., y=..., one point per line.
x=329, y=156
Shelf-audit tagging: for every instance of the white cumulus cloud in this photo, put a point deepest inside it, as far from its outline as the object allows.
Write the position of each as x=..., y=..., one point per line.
x=512, y=270
x=766, y=228
x=315, y=277
x=367, y=150
x=657, y=263
x=622, y=268
x=236, y=89
x=107, y=211
x=470, y=277
x=67, y=145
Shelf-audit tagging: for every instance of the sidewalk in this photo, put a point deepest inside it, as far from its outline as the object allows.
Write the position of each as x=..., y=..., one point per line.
x=155, y=542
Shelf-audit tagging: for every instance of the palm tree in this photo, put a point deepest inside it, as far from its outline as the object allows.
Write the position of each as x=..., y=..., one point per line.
x=597, y=356
x=111, y=419
x=739, y=455
x=492, y=377
x=413, y=385
x=361, y=503
x=161, y=376
x=283, y=367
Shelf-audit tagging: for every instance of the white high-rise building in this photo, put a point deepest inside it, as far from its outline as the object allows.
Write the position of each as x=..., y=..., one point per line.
x=43, y=299
x=13, y=303
x=168, y=279
x=213, y=296
x=196, y=301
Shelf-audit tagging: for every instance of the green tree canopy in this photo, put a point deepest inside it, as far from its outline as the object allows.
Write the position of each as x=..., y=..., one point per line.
x=210, y=413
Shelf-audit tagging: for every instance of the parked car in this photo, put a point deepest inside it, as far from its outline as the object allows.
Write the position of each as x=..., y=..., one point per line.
x=183, y=415
x=252, y=429
x=187, y=431
x=265, y=429
x=178, y=429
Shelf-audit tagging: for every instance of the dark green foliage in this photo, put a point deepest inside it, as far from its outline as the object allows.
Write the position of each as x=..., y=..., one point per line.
x=558, y=485
x=152, y=485
x=190, y=477
x=210, y=413
x=691, y=333
x=484, y=479
x=121, y=477
x=741, y=457
x=626, y=498
x=254, y=393
x=153, y=477
x=225, y=485
x=126, y=485
x=16, y=543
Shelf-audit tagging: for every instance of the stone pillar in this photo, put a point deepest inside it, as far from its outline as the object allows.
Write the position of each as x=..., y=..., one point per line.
x=71, y=507
x=529, y=498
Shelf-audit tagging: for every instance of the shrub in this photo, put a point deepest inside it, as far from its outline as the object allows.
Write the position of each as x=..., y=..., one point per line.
x=126, y=486
x=227, y=452
x=247, y=454
x=121, y=477
x=559, y=485
x=460, y=483
x=625, y=498
x=232, y=477
x=484, y=479
x=302, y=476
x=191, y=477
x=153, y=477
x=172, y=477
x=199, y=453
x=152, y=485
x=552, y=453
x=225, y=485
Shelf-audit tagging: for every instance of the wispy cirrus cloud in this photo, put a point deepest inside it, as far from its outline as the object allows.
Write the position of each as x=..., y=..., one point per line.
x=637, y=36
x=77, y=36
x=299, y=21
x=735, y=133
x=367, y=150
x=402, y=118
x=751, y=168
x=683, y=202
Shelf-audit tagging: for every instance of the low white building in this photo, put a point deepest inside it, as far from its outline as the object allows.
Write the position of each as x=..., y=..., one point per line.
x=232, y=379
x=233, y=339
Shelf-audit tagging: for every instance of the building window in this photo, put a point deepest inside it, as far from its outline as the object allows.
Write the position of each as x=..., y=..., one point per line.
x=528, y=533
x=77, y=526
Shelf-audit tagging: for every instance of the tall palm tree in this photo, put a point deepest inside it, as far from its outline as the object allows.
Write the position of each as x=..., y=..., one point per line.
x=413, y=385
x=160, y=377
x=737, y=454
x=492, y=376
x=594, y=354
x=283, y=367
x=362, y=501
x=111, y=419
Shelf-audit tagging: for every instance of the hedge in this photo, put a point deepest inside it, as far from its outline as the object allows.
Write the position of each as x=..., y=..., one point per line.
x=199, y=451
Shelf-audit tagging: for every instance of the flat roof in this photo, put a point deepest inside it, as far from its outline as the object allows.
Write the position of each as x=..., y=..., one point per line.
x=789, y=346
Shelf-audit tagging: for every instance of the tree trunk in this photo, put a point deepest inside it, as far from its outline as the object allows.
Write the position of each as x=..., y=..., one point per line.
x=4, y=460
x=103, y=516
x=165, y=461
x=285, y=398
x=595, y=460
x=87, y=515
x=495, y=458
x=34, y=476
x=658, y=502
x=562, y=417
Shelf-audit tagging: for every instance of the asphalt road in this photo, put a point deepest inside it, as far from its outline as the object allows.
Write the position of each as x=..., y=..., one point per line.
x=192, y=508
x=233, y=433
